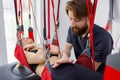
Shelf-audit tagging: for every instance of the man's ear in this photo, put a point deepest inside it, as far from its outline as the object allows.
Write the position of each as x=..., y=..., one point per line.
x=88, y=21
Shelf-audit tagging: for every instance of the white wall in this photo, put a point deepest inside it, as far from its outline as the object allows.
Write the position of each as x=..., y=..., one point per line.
x=37, y=5
x=64, y=25
x=102, y=17
x=102, y=12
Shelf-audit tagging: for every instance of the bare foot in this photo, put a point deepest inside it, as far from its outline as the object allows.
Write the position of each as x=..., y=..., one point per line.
x=19, y=65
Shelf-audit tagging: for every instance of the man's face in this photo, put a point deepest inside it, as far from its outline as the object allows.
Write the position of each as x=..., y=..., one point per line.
x=79, y=26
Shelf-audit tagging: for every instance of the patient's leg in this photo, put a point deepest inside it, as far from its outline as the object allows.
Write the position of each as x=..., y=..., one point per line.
x=37, y=59
x=24, y=43
x=40, y=67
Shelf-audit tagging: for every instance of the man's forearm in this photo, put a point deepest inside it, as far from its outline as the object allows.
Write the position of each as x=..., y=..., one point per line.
x=66, y=53
x=67, y=49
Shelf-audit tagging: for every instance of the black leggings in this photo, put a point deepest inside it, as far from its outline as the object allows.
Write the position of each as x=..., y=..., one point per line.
x=74, y=72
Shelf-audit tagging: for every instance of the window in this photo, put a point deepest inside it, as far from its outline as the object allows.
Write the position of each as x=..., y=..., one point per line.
x=10, y=26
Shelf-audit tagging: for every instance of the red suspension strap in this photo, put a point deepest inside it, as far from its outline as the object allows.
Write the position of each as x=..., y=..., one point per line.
x=91, y=16
x=48, y=24
x=44, y=28
x=55, y=39
x=57, y=17
x=16, y=12
x=108, y=26
x=34, y=18
x=30, y=29
x=19, y=53
x=46, y=33
x=20, y=12
x=19, y=19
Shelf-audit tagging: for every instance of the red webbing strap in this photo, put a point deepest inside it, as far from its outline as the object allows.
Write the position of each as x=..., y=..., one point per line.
x=46, y=75
x=29, y=6
x=20, y=16
x=19, y=53
x=55, y=40
x=57, y=17
x=48, y=25
x=52, y=1
x=20, y=29
x=94, y=9
x=19, y=20
x=108, y=26
x=30, y=29
x=16, y=10
x=111, y=73
x=20, y=9
x=34, y=17
x=44, y=27
x=30, y=33
x=91, y=16
x=56, y=20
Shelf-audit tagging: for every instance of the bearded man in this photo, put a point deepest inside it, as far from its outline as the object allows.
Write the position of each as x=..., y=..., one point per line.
x=78, y=35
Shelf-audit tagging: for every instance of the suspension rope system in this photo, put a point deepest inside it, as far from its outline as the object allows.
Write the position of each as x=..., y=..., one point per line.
x=46, y=35
x=91, y=17
x=34, y=18
x=45, y=30
x=48, y=41
x=19, y=53
x=16, y=14
x=55, y=39
x=108, y=26
x=19, y=19
x=30, y=29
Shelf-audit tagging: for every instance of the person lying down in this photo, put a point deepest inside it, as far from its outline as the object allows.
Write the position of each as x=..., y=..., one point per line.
x=36, y=57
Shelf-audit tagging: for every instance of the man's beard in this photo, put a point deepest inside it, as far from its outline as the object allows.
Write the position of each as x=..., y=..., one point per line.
x=79, y=31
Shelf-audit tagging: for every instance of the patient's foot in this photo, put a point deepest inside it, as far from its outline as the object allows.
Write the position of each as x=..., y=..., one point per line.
x=19, y=65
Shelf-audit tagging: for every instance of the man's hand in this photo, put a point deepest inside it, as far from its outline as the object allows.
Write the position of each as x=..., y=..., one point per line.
x=64, y=59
